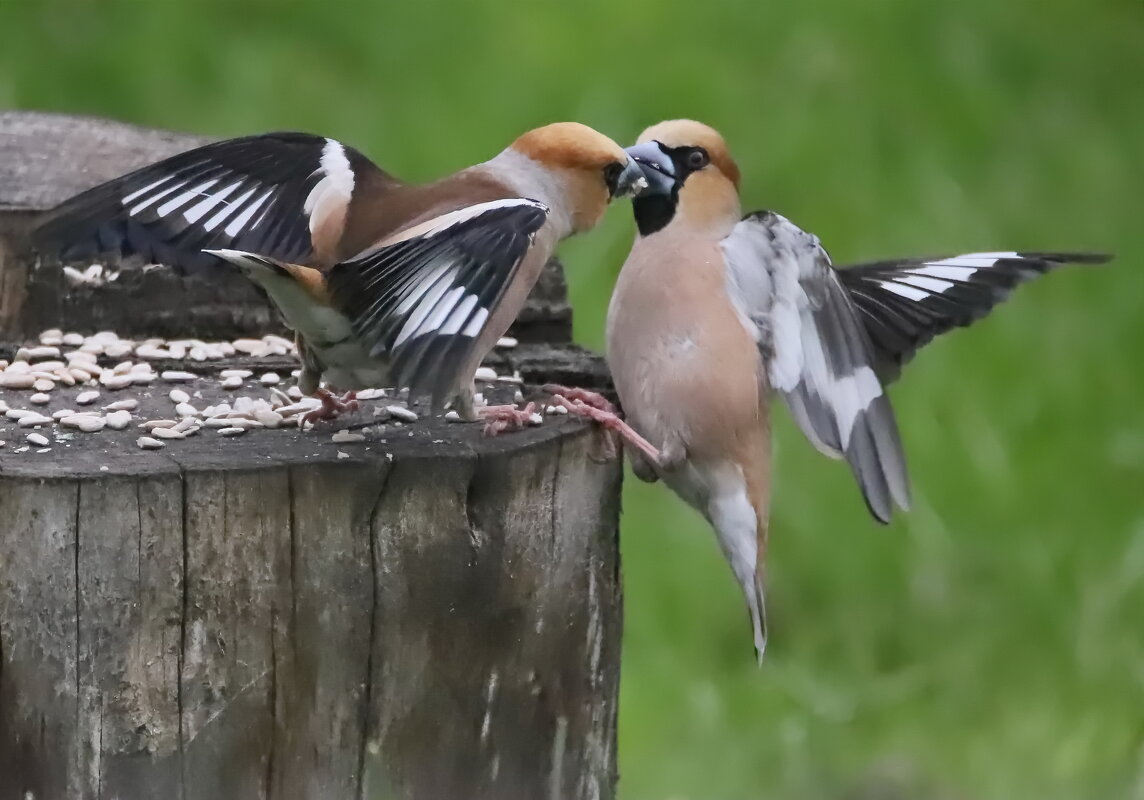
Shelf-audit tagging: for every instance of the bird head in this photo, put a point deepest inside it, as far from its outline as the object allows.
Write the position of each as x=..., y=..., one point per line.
x=589, y=168
x=690, y=173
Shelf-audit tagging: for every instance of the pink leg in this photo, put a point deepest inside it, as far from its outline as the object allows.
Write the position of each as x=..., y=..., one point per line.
x=610, y=421
x=499, y=419
x=332, y=406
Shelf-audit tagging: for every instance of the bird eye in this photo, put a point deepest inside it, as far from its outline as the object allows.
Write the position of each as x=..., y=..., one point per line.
x=612, y=173
x=698, y=158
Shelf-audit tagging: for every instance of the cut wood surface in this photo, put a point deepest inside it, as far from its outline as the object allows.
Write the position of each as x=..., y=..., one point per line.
x=421, y=612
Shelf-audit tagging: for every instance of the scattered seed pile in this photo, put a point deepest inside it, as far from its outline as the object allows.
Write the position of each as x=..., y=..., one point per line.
x=68, y=384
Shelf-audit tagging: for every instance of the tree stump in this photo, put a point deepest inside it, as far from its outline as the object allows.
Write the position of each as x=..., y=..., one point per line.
x=411, y=611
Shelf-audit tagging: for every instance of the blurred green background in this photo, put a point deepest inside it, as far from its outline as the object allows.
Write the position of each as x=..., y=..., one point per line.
x=990, y=644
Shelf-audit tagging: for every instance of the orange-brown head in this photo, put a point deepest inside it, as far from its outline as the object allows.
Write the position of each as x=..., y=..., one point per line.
x=691, y=175
x=589, y=168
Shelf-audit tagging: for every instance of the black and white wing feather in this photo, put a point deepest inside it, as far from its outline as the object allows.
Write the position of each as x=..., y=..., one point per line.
x=268, y=194
x=816, y=352
x=904, y=304
x=423, y=298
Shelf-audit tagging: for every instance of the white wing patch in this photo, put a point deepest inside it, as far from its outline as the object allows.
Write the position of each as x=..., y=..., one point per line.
x=335, y=188
x=437, y=225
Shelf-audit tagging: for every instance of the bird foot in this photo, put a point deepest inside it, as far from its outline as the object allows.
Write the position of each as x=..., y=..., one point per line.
x=499, y=419
x=332, y=406
x=585, y=396
x=606, y=417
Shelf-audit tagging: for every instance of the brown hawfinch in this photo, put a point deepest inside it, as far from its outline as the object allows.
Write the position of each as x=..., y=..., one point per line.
x=385, y=283
x=728, y=308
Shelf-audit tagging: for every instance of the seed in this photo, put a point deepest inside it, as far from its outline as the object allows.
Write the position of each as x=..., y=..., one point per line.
x=168, y=433
x=556, y=410
x=152, y=424
x=187, y=425
x=38, y=353
x=279, y=398
x=147, y=443
x=186, y=410
x=86, y=398
x=151, y=352
x=177, y=349
x=249, y=346
x=9, y=380
x=17, y=413
x=122, y=368
x=80, y=375
x=18, y=368
x=37, y=439
x=113, y=381
x=3, y=407
x=371, y=394
x=344, y=437
x=130, y=404
x=142, y=378
x=232, y=422
x=233, y=431
x=233, y=382
x=235, y=373
x=72, y=339
x=40, y=398
x=269, y=379
x=118, y=350
x=32, y=420
x=308, y=404
x=452, y=416
x=179, y=396
x=269, y=419
x=175, y=376
x=226, y=348
x=63, y=412
x=118, y=420
x=64, y=377
x=402, y=413
x=88, y=423
x=198, y=354
x=54, y=334
x=342, y=455
x=295, y=393
x=485, y=374
x=278, y=341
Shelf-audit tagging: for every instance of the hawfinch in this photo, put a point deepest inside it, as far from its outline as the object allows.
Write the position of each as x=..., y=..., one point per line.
x=385, y=283
x=737, y=308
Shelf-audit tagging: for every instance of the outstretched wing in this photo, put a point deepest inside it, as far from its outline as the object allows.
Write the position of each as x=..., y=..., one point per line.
x=423, y=297
x=816, y=352
x=283, y=195
x=904, y=304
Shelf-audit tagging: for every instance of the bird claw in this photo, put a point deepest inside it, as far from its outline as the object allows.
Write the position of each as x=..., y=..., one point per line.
x=585, y=396
x=499, y=419
x=607, y=418
x=332, y=406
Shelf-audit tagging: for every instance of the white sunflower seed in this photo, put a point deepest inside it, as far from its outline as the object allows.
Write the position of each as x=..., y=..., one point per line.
x=179, y=396
x=507, y=342
x=402, y=413
x=269, y=379
x=33, y=420
x=40, y=398
x=485, y=374
x=152, y=424
x=233, y=382
x=371, y=394
x=86, y=398
x=233, y=431
x=176, y=376
x=344, y=437
x=118, y=420
x=17, y=380
x=167, y=433
x=88, y=423
x=37, y=439
x=147, y=443
x=235, y=373
x=130, y=404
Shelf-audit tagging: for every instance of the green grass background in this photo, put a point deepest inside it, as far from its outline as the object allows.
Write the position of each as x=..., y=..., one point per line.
x=990, y=644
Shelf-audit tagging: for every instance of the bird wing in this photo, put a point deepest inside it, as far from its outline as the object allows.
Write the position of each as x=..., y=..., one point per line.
x=905, y=303
x=816, y=352
x=422, y=298
x=283, y=195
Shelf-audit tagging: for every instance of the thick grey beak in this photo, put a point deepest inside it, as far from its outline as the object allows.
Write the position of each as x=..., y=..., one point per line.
x=657, y=167
x=631, y=181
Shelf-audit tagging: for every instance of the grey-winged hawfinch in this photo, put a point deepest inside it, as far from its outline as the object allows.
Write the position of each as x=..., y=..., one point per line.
x=715, y=312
